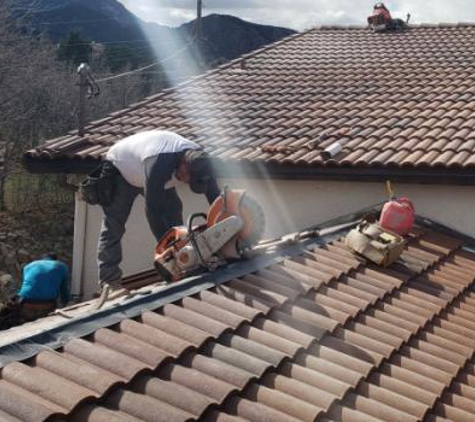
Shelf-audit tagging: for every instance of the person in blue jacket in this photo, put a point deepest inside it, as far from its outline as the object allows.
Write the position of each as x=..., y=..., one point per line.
x=44, y=283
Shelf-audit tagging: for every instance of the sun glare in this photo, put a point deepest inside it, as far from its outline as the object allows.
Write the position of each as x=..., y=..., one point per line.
x=210, y=112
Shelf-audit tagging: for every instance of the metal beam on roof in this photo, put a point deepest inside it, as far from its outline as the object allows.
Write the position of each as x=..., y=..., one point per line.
x=56, y=337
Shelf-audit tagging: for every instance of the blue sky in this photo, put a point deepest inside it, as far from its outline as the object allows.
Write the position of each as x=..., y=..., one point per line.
x=302, y=14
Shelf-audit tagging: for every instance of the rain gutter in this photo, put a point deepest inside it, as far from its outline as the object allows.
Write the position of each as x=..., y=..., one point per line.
x=427, y=175
x=406, y=174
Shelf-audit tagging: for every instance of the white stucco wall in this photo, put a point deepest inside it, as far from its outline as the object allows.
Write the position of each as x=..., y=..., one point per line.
x=288, y=206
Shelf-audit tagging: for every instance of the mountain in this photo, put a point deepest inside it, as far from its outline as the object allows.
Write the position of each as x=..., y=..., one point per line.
x=97, y=20
x=108, y=21
x=229, y=37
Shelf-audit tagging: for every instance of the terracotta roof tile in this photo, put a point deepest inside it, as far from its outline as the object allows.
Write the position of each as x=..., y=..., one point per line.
x=218, y=369
x=253, y=411
x=419, y=106
x=21, y=404
x=179, y=396
x=46, y=385
x=145, y=407
x=320, y=335
x=105, y=358
x=127, y=345
x=83, y=374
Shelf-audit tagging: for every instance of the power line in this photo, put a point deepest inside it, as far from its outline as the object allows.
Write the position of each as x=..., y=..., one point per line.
x=78, y=21
x=120, y=75
x=30, y=10
x=138, y=41
x=136, y=55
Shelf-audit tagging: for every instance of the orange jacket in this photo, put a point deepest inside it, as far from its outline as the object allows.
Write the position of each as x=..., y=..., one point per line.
x=383, y=12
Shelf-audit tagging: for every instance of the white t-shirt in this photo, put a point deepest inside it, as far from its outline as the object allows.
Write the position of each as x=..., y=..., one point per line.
x=129, y=154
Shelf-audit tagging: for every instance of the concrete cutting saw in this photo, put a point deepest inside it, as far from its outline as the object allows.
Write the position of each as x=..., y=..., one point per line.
x=234, y=223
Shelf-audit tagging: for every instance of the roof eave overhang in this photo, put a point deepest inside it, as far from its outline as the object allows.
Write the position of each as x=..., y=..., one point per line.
x=260, y=170
x=432, y=175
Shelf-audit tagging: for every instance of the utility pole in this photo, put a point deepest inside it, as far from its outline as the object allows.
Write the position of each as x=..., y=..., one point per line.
x=198, y=27
x=83, y=72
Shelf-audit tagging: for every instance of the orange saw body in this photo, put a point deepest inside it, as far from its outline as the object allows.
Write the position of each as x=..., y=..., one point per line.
x=234, y=222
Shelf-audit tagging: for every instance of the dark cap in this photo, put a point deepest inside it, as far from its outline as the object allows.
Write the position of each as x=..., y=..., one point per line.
x=200, y=169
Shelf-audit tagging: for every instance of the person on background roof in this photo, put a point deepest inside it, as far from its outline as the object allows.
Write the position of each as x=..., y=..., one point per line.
x=149, y=163
x=381, y=9
x=44, y=282
x=380, y=19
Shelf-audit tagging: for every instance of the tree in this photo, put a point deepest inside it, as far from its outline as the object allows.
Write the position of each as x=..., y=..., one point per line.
x=122, y=56
x=34, y=91
x=39, y=93
x=75, y=49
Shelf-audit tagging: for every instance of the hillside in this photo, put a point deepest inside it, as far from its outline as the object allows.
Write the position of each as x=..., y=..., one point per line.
x=229, y=37
x=108, y=21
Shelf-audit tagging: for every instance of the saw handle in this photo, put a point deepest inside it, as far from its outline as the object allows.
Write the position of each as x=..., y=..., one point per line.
x=191, y=234
x=192, y=217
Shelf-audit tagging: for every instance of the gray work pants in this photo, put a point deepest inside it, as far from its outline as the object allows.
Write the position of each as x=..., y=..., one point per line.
x=109, y=249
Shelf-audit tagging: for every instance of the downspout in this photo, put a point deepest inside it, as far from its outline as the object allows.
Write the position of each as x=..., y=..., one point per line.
x=79, y=244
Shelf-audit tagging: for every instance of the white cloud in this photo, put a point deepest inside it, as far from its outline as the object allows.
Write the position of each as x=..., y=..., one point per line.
x=301, y=14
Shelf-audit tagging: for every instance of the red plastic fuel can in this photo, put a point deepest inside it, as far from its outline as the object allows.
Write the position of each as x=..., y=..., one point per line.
x=398, y=216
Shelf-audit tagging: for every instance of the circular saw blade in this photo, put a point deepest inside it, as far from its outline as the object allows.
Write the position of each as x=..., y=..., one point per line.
x=237, y=202
x=254, y=221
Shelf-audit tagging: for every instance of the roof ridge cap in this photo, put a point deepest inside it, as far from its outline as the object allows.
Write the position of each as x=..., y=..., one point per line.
x=342, y=26
x=442, y=24
x=326, y=27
